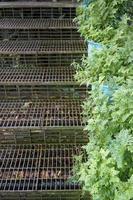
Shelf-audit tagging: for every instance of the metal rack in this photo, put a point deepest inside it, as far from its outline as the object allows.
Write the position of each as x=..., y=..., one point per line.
x=38, y=29
x=38, y=60
x=42, y=47
x=39, y=76
x=25, y=10
x=37, y=136
x=47, y=114
x=34, y=24
x=41, y=121
x=39, y=34
x=37, y=91
x=26, y=168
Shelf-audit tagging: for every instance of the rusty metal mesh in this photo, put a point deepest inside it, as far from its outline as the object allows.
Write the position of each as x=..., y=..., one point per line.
x=46, y=113
x=37, y=167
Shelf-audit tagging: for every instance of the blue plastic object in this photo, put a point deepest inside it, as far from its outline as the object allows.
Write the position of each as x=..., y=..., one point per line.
x=86, y=2
x=93, y=46
x=107, y=90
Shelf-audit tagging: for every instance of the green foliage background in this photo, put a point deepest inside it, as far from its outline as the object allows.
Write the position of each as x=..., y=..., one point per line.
x=107, y=173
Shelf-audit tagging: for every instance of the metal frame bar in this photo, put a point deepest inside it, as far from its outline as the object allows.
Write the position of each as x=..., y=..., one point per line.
x=38, y=12
x=37, y=3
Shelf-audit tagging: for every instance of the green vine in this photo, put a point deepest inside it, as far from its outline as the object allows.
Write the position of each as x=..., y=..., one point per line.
x=112, y=61
x=101, y=18
x=107, y=172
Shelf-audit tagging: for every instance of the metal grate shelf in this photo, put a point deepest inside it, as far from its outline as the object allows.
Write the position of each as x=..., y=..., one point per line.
x=43, y=136
x=37, y=76
x=38, y=91
x=45, y=114
x=42, y=47
x=39, y=60
x=38, y=29
x=37, y=167
x=46, y=34
x=30, y=11
x=37, y=24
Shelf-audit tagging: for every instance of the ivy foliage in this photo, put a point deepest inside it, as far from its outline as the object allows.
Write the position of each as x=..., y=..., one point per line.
x=114, y=60
x=107, y=171
x=106, y=118
x=99, y=20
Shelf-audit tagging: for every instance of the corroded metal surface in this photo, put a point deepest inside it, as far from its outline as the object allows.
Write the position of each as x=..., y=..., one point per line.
x=37, y=167
x=41, y=114
x=43, y=47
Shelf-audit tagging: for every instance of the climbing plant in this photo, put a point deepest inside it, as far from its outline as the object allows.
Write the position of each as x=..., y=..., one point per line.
x=114, y=59
x=98, y=21
x=107, y=171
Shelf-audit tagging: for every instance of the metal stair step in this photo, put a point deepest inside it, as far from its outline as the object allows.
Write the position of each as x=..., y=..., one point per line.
x=43, y=47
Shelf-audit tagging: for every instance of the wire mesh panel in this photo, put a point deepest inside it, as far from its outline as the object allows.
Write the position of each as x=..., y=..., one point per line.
x=39, y=82
x=41, y=114
x=14, y=24
x=33, y=136
x=43, y=35
x=40, y=34
x=38, y=91
x=29, y=11
x=39, y=60
x=39, y=76
x=38, y=29
x=42, y=47
x=37, y=167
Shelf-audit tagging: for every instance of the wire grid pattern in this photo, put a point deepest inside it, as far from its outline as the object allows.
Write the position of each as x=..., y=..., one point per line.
x=47, y=47
x=38, y=91
x=38, y=29
x=37, y=167
x=37, y=24
x=45, y=113
x=39, y=34
x=37, y=12
x=35, y=75
x=39, y=60
x=8, y=136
